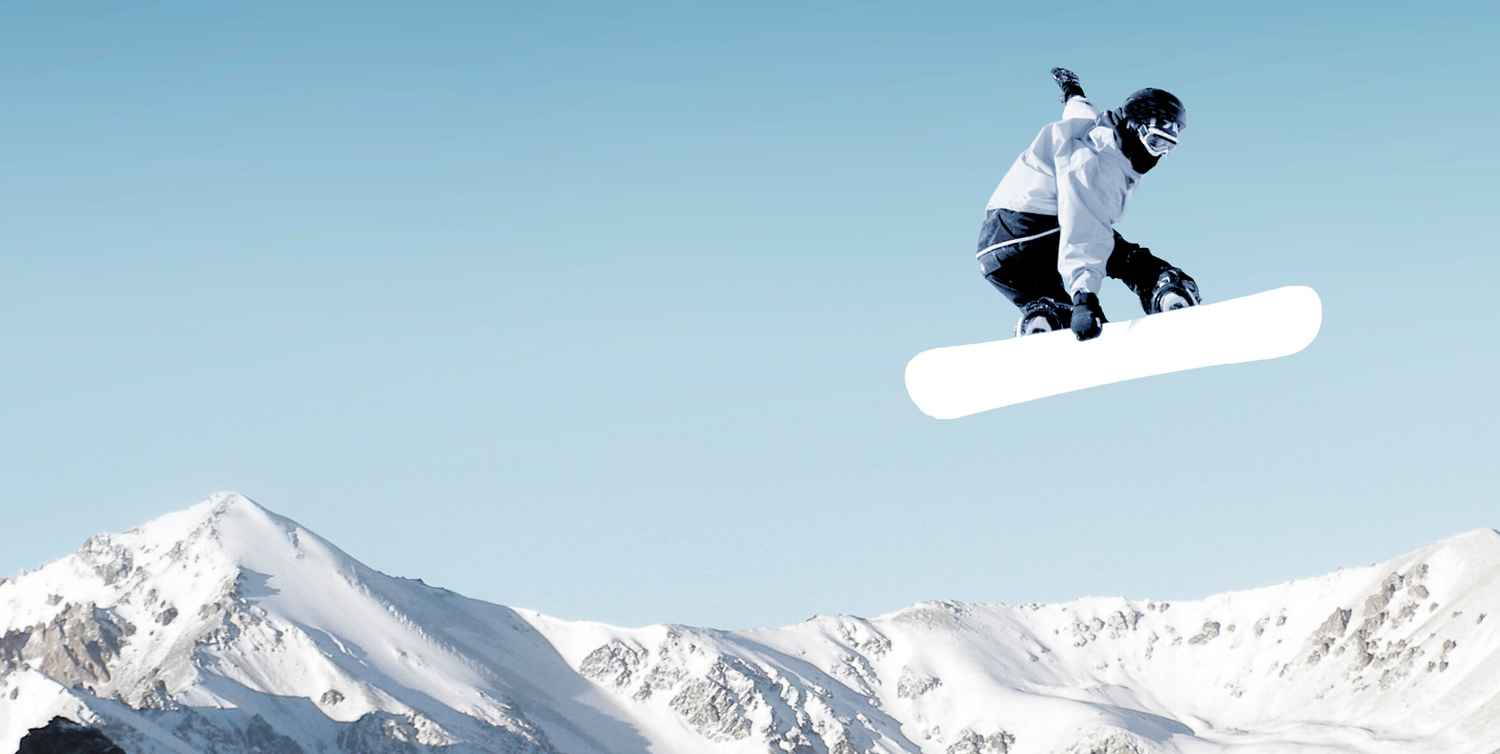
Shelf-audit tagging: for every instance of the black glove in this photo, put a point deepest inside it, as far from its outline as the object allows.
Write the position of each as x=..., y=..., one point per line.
x=1088, y=317
x=1068, y=82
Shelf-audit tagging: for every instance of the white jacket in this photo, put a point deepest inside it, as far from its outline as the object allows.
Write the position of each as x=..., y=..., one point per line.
x=1075, y=171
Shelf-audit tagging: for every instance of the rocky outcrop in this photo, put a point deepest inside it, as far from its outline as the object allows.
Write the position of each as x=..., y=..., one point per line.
x=970, y=742
x=614, y=664
x=1375, y=652
x=1112, y=741
x=75, y=648
x=717, y=704
x=912, y=684
x=727, y=698
x=63, y=736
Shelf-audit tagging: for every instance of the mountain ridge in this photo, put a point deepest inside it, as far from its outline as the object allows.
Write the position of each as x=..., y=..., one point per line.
x=228, y=626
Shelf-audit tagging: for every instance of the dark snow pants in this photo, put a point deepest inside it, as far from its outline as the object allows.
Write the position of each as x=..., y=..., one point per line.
x=1025, y=270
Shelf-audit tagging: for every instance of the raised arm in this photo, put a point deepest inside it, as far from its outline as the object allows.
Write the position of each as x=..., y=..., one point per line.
x=1075, y=103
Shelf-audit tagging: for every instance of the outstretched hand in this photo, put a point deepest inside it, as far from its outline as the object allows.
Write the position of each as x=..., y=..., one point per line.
x=1088, y=316
x=1068, y=82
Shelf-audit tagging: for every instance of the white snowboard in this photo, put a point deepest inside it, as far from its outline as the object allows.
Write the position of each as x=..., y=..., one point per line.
x=947, y=383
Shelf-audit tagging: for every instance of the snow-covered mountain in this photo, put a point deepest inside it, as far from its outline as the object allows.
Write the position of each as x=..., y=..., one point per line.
x=226, y=629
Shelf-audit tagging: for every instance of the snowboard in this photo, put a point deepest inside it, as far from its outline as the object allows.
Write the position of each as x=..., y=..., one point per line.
x=947, y=383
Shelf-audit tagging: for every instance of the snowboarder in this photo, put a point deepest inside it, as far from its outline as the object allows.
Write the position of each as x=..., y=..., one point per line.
x=1048, y=240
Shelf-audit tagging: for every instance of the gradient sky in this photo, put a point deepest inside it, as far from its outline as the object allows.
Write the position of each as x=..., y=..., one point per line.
x=602, y=309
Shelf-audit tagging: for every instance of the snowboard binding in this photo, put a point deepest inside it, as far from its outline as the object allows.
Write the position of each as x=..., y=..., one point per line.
x=1174, y=290
x=1043, y=315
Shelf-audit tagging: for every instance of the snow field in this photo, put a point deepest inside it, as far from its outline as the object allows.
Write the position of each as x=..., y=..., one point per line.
x=229, y=626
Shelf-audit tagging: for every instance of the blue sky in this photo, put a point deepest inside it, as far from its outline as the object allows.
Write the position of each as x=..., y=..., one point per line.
x=602, y=309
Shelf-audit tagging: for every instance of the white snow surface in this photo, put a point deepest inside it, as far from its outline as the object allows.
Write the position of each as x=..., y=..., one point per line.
x=226, y=628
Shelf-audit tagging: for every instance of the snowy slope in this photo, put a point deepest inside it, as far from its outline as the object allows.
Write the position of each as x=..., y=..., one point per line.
x=225, y=628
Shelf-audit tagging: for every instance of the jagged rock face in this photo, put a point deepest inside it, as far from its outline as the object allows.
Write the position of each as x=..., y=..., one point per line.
x=721, y=697
x=1376, y=649
x=228, y=630
x=718, y=705
x=63, y=736
x=75, y=648
x=614, y=664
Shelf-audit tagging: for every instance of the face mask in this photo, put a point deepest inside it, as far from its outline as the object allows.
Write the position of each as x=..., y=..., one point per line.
x=1129, y=135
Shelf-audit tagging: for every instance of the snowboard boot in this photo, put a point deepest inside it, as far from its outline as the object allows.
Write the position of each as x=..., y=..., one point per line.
x=1068, y=82
x=1174, y=290
x=1043, y=315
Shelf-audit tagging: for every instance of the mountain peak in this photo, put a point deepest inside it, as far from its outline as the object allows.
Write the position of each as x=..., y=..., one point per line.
x=221, y=503
x=182, y=561
x=221, y=513
x=230, y=623
x=226, y=526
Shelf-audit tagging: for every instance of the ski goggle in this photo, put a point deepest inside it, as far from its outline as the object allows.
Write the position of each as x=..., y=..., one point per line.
x=1158, y=142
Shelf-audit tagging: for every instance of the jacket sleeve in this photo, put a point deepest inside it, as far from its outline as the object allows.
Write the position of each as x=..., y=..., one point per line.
x=1084, y=194
x=1079, y=107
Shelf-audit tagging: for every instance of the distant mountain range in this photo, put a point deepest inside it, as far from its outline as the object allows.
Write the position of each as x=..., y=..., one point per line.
x=226, y=629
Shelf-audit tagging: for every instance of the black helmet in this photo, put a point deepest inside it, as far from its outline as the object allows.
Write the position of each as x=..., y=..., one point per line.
x=1155, y=107
x=1155, y=110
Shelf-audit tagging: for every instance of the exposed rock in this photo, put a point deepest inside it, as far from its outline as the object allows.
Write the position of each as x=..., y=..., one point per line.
x=1122, y=622
x=969, y=742
x=1442, y=661
x=1112, y=741
x=912, y=685
x=859, y=634
x=383, y=733
x=842, y=746
x=1406, y=613
x=1208, y=633
x=1327, y=634
x=614, y=664
x=716, y=705
x=878, y=645
x=856, y=672
x=378, y=733
x=63, y=736
x=260, y=738
x=112, y=561
x=74, y=648
x=664, y=675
